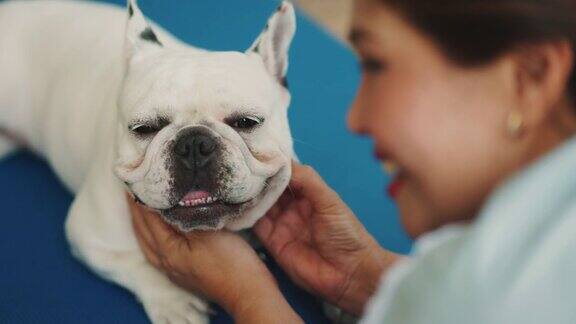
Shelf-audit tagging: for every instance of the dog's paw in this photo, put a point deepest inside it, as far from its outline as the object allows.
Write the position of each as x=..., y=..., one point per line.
x=181, y=309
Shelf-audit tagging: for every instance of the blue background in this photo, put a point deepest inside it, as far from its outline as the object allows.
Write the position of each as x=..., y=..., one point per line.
x=41, y=283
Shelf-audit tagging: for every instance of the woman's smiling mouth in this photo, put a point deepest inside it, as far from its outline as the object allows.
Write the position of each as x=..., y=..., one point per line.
x=396, y=173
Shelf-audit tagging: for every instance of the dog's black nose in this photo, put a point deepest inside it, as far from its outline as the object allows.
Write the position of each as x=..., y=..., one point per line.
x=195, y=149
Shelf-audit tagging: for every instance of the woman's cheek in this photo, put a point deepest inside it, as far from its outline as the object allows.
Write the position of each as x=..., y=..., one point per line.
x=420, y=144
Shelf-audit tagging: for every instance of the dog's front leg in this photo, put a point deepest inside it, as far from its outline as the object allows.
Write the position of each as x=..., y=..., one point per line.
x=100, y=233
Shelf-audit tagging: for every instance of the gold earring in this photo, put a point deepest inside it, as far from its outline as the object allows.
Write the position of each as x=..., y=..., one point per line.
x=515, y=124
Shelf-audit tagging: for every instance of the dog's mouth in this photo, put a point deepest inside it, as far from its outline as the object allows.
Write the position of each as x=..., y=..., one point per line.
x=199, y=198
x=202, y=210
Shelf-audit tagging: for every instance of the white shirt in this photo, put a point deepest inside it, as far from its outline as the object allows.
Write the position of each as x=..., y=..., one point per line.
x=515, y=264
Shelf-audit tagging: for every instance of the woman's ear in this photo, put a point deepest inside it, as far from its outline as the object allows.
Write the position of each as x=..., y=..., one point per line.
x=542, y=72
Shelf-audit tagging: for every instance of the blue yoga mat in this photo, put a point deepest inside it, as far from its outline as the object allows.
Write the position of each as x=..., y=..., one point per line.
x=39, y=280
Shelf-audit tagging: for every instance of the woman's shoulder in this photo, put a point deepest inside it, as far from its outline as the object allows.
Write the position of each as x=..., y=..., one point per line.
x=532, y=208
x=528, y=225
x=519, y=252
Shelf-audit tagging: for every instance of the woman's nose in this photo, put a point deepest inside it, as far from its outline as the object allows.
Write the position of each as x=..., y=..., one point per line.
x=355, y=118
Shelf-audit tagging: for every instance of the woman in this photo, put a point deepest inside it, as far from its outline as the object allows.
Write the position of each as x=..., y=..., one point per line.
x=472, y=103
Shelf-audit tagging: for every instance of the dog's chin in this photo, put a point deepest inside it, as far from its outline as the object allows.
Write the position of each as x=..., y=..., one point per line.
x=210, y=216
x=213, y=216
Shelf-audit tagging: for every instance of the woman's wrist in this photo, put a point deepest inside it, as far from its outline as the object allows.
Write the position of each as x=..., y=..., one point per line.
x=365, y=280
x=259, y=301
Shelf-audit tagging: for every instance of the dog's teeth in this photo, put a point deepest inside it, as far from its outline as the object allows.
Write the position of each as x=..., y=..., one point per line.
x=196, y=202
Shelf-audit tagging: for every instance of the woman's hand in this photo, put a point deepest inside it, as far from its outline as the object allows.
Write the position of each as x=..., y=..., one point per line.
x=220, y=265
x=321, y=244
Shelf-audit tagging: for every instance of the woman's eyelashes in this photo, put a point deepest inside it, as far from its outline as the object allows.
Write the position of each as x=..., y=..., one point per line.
x=371, y=65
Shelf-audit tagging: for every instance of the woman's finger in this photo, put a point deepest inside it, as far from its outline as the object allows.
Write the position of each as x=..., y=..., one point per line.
x=151, y=230
x=139, y=226
x=310, y=185
x=163, y=234
x=145, y=239
x=264, y=229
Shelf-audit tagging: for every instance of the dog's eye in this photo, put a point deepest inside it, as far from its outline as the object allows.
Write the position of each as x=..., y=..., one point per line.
x=246, y=122
x=144, y=130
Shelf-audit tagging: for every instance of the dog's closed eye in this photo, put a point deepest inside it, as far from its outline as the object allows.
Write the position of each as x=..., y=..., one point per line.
x=148, y=128
x=244, y=122
x=144, y=129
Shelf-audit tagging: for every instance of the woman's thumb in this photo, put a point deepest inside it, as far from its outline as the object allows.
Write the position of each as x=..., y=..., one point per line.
x=307, y=183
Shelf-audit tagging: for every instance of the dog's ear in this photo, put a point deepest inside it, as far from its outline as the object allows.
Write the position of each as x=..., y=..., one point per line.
x=274, y=42
x=139, y=34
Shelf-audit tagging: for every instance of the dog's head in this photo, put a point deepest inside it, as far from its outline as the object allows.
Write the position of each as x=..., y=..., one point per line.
x=203, y=136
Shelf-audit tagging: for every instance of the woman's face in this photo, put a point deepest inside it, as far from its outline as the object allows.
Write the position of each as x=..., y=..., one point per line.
x=444, y=126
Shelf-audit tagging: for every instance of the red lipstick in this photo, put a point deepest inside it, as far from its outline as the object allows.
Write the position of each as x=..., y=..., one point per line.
x=395, y=187
x=378, y=155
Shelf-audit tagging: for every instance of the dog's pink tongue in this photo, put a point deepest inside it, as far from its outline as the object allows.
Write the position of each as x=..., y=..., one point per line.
x=193, y=195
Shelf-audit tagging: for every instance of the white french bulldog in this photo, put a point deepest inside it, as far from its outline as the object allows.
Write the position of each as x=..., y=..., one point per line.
x=117, y=104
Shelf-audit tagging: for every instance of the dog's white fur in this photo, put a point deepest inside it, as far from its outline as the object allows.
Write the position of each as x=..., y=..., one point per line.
x=74, y=78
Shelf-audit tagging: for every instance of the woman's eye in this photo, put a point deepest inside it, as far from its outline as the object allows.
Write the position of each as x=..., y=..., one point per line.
x=372, y=65
x=246, y=122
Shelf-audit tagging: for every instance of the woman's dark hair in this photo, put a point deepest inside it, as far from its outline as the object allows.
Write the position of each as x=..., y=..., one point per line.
x=474, y=32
